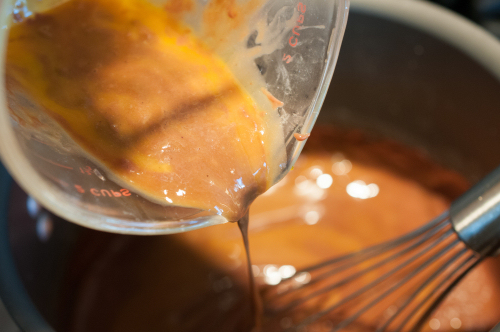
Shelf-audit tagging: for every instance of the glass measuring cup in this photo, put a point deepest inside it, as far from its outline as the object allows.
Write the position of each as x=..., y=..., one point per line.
x=292, y=47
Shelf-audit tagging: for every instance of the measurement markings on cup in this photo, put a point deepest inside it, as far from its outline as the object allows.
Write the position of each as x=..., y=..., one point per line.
x=293, y=40
x=122, y=192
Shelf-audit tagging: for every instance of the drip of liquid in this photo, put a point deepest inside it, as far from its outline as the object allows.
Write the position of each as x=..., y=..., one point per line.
x=256, y=300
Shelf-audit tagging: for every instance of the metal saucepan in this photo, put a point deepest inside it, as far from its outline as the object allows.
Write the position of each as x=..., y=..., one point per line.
x=408, y=70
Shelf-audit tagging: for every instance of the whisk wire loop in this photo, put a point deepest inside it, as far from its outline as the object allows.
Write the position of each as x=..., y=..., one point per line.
x=366, y=287
x=380, y=279
x=478, y=259
x=435, y=291
x=397, y=285
x=403, y=269
x=441, y=219
x=358, y=274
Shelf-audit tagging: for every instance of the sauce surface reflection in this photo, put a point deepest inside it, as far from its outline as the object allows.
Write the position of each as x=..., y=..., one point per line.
x=198, y=280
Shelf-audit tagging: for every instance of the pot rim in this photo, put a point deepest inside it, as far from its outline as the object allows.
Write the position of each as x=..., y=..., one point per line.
x=440, y=22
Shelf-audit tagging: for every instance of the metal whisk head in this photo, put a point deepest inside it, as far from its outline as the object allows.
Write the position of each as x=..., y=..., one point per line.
x=396, y=285
x=392, y=286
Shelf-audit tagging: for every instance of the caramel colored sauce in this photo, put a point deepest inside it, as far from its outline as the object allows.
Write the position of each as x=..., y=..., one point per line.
x=274, y=101
x=197, y=281
x=301, y=137
x=147, y=100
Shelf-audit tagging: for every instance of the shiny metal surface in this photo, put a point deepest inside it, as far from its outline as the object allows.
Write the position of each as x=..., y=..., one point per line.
x=476, y=214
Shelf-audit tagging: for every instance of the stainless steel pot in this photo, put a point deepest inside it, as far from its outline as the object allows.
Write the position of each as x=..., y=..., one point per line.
x=407, y=71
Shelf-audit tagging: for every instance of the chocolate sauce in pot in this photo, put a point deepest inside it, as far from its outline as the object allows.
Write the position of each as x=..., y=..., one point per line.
x=199, y=280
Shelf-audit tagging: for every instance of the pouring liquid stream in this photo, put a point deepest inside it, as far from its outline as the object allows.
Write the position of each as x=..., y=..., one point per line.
x=86, y=63
x=254, y=294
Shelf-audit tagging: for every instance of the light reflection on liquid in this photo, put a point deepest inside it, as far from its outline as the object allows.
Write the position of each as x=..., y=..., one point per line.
x=359, y=189
x=312, y=217
x=324, y=181
x=303, y=278
x=272, y=275
x=434, y=324
x=309, y=190
x=314, y=184
x=342, y=167
x=456, y=323
x=315, y=172
x=287, y=271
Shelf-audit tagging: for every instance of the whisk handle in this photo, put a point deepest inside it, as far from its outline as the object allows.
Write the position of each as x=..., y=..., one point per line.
x=476, y=215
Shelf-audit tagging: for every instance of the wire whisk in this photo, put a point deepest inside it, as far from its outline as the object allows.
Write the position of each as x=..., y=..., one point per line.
x=396, y=285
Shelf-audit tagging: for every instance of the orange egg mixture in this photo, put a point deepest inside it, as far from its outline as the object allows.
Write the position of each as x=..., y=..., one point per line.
x=346, y=192
x=148, y=101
